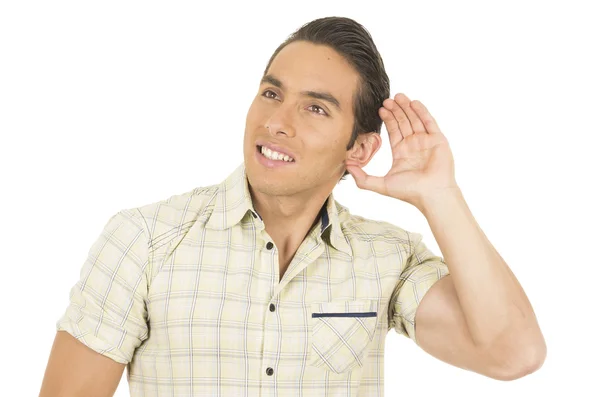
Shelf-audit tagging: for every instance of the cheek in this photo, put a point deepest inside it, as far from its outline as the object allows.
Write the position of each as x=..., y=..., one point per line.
x=328, y=150
x=252, y=123
x=254, y=113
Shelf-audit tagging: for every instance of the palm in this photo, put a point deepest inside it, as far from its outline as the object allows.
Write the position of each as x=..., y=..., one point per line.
x=418, y=165
x=422, y=162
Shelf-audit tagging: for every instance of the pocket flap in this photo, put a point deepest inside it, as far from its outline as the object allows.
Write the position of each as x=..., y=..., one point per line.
x=341, y=333
x=353, y=308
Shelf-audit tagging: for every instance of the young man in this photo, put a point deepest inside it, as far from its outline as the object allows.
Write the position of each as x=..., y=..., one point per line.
x=265, y=285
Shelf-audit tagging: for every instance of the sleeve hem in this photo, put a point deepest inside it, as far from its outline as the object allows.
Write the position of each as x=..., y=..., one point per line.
x=95, y=344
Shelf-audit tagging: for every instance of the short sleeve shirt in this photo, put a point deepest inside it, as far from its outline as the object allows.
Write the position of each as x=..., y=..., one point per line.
x=186, y=292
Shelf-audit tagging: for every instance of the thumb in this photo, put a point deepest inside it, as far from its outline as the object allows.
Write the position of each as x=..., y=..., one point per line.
x=364, y=180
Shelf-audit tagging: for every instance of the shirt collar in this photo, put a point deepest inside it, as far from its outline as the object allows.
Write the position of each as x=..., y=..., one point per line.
x=232, y=202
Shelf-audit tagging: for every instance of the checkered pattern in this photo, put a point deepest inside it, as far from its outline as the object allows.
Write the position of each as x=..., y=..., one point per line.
x=186, y=293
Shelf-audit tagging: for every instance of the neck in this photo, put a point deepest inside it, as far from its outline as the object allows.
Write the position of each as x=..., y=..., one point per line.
x=289, y=218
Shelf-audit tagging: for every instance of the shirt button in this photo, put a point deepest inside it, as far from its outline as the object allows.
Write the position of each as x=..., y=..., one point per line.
x=269, y=371
x=269, y=245
x=272, y=307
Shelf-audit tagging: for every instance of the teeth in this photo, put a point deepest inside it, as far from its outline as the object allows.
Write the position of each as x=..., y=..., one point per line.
x=270, y=154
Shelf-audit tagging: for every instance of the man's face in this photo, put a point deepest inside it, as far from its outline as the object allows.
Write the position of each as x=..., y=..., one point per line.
x=295, y=110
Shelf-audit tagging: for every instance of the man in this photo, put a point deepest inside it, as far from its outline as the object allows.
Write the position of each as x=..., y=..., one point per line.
x=265, y=285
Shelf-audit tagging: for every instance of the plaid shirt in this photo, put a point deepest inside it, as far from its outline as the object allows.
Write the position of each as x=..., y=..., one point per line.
x=186, y=292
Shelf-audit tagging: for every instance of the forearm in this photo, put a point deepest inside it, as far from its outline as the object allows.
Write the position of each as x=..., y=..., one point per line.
x=496, y=308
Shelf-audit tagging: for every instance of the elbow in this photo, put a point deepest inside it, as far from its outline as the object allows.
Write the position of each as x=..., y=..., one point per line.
x=520, y=371
x=527, y=360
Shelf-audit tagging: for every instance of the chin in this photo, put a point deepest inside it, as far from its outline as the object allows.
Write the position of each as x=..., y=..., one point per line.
x=270, y=185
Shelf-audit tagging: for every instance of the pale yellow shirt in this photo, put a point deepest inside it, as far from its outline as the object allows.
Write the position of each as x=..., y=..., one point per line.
x=186, y=292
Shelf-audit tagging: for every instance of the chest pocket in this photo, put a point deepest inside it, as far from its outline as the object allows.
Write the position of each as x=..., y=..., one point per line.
x=341, y=332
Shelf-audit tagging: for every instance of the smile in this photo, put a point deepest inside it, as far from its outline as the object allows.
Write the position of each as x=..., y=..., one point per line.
x=273, y=155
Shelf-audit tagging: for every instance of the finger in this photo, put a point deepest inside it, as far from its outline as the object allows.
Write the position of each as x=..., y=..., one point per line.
x=404, y=102
x=428, y=120
x=400, y=117
x=391, y=125
x=365, y=181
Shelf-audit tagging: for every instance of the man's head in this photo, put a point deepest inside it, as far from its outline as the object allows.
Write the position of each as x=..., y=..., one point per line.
x=318, y=100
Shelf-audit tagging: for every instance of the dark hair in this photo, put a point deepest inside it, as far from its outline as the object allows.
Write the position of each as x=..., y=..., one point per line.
x=351, y=40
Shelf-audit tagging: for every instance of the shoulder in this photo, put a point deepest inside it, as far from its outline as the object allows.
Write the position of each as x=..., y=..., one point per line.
x=176, y=211
x=166, y=222
x=361, y=229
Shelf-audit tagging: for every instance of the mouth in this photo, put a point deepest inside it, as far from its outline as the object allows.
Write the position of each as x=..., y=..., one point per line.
x=274, y=156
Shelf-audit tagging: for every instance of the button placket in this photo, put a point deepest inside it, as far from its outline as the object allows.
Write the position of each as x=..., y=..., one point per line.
x=269, y=371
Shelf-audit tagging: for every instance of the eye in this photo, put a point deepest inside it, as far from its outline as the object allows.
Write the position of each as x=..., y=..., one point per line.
x=267, y=94
x=320, y=110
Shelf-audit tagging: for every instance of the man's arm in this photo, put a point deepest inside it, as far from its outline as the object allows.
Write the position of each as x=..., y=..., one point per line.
x=75, y=370
x=441, y=330
x=478, y=317
x=107, y=313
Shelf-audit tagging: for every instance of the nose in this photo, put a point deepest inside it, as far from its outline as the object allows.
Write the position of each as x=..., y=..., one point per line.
x=281, y=121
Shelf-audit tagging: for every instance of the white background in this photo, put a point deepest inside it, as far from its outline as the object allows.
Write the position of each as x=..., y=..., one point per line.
x=111, y=105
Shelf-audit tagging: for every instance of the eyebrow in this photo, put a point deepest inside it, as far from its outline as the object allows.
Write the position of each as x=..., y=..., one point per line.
x=325, y=96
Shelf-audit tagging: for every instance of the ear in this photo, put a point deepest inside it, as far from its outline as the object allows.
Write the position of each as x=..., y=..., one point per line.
x=365, y=147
